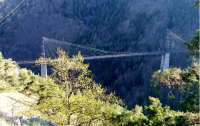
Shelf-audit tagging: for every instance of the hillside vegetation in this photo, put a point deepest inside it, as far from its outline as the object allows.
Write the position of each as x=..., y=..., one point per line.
x=113, y=25
x=71, y=97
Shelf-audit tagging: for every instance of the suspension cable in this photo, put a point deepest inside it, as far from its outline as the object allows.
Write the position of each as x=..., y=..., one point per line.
x=11, y=13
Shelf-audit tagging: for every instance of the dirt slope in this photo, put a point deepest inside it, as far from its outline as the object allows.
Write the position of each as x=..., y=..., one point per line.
x=13, y=104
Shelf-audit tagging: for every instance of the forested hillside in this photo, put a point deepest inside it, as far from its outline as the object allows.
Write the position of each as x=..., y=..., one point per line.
x=70, y=96
x=114, y=25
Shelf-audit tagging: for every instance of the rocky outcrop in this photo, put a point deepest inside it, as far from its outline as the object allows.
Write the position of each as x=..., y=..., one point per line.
x=14, y=107
x=13, y=104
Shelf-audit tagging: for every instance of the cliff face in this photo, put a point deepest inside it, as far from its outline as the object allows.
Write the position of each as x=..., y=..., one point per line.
x=115, y=25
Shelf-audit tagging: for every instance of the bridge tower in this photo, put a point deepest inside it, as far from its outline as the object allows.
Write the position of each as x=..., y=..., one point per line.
x=43, y=65
x=165, y=60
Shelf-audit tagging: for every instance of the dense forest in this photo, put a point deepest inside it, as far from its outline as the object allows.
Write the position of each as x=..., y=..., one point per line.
x=117, y=26
x=131, y=91
x=70, y=96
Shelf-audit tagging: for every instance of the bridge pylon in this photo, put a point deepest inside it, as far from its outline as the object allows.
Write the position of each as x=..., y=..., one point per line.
x=165, y=60
x=43, y=71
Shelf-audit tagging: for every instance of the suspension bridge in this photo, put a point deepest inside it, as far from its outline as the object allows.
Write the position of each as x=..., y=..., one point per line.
x=165, y=55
